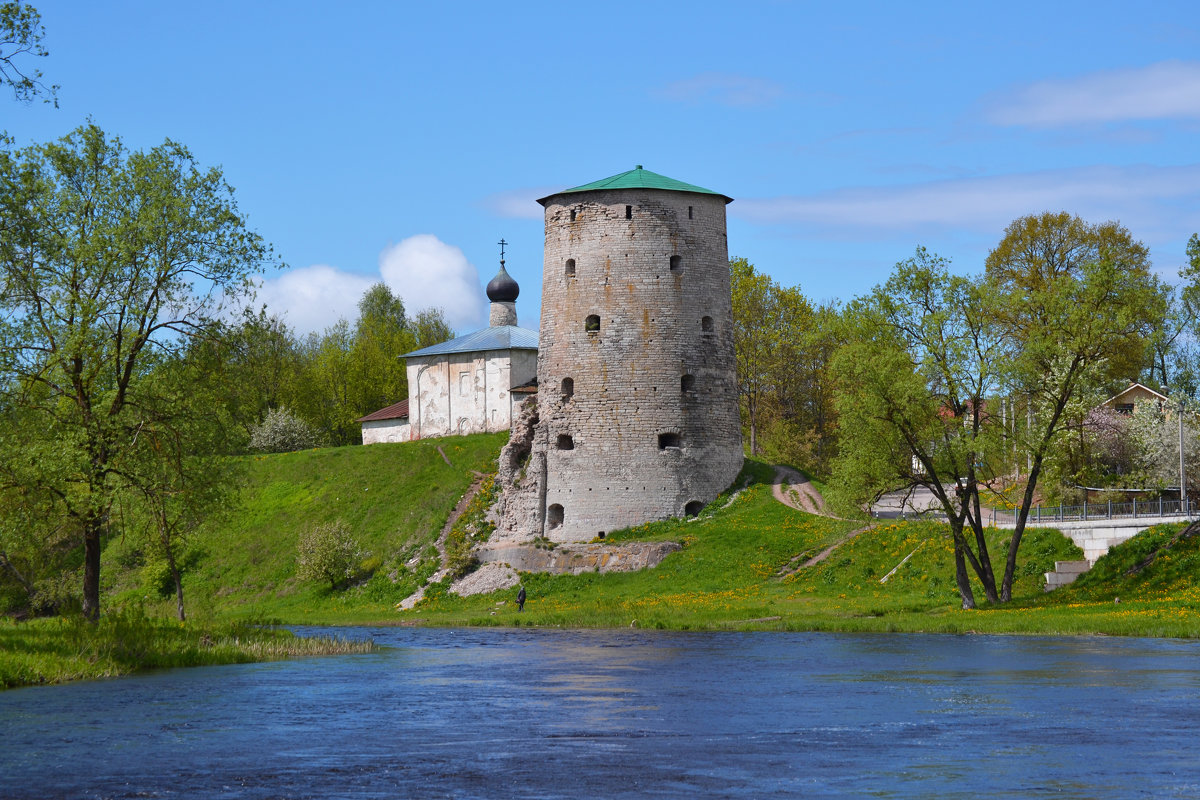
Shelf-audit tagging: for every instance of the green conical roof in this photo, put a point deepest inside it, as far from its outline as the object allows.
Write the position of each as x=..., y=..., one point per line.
x=639, y=178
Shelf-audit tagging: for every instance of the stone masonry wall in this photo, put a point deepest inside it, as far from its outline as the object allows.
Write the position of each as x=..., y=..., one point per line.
x=647, y=427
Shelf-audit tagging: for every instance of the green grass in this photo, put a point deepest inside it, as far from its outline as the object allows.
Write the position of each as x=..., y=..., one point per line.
x=394, y=497
x=59, y=650
x=738, y=570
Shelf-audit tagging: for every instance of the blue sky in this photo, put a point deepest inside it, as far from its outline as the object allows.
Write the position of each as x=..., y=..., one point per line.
x=401, y=141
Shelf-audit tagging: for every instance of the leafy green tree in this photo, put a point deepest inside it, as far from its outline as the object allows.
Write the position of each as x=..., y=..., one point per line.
x=21, y=34
x=173, y=478
x=110, y=262
x=755, y=339
x=381, y=336
x=1075, y=304
x=254, y=366
x=430, y=327
x=920, y=356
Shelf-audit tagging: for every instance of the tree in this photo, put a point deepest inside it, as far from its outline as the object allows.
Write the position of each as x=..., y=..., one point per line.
x=327, y=552
x=755, y=338
x=430, y=327
x=282, y=431
x=1075, y=304
x=174, y=478
x=1156, y=440
x=21, y=34
x=110, y=262
x=921, y=354
x=381, y=336
x=254, y=366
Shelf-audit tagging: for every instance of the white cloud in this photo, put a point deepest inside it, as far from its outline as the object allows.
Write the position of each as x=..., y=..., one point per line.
x=422, y=269
x=520, y=203
x=427, y=272
x=1144, y=198
x=313, y=298
x=726, y=89
x=1167, y=90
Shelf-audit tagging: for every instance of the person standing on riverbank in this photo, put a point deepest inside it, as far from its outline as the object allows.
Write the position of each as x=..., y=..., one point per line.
x=521, y=599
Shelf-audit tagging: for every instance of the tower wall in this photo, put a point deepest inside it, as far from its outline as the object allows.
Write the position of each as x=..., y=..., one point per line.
x=651, y=416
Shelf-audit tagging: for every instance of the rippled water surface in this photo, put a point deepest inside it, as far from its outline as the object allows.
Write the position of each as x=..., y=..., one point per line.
x=519, y=713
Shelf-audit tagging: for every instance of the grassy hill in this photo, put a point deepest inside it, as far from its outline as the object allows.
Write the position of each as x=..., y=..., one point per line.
x=395, y=499
x=741, y=565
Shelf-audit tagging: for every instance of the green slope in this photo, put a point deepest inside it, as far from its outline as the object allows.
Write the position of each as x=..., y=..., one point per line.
x=394, y=497
x=740, y=567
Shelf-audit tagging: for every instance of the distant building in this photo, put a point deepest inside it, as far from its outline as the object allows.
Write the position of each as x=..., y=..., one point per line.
x=464, y=385
x=1125, y=401
x=386, y=425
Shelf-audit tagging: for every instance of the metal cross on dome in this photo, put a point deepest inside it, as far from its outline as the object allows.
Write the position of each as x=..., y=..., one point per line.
x=502, y=243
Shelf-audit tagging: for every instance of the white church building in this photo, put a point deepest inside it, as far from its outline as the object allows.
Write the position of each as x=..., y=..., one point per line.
x=464, y=385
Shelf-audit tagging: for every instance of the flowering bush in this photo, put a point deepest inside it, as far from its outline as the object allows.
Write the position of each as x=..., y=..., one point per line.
x=327, y=552
x=281, y=431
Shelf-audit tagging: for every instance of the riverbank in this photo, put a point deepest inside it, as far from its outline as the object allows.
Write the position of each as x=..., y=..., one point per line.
x=59, y=650
x=759, y=565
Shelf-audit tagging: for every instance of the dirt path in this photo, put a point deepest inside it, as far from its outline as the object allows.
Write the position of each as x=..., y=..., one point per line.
x=800, y=493
x=803, y=496
x=458, y=511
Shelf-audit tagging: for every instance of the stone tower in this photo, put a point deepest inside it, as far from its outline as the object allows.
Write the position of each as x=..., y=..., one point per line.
x=637, y=396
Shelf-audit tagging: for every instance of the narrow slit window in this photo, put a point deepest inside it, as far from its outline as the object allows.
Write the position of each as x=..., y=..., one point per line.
x=572, y=215
x=706, y=324
x=592, y=324
x=668, y=441
x=570, y=269
x=565, y=442
x=689, y=212
x=628, y=212
x=568, y=388
x=687, y=383
x=554, y=515
x=676, y=263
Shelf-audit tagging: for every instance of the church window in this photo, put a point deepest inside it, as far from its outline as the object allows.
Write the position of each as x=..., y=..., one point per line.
x=706, y=324
x=572, y=215
x=592, y=324
x=565, y=442
x=568, y=388
x=689, y=212
x=687, y=383
x=554, y=515
x=668, y=441
x=676, y=262
x=628, y=212
x=570, y=268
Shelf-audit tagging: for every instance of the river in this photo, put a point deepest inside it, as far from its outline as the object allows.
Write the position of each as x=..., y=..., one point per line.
x=544, y=714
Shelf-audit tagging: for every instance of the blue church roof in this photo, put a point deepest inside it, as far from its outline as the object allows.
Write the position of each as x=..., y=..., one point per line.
x=500, y=337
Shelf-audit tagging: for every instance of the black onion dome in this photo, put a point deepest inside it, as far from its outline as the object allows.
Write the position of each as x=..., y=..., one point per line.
x=502, y=288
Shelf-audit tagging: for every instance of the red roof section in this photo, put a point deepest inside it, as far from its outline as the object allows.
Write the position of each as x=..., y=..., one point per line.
x=394, y=411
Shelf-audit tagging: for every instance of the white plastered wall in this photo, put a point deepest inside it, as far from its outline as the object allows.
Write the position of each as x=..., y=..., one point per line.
x=463, y=393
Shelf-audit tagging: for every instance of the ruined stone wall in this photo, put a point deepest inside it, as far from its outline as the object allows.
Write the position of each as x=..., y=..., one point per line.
x=637, y=317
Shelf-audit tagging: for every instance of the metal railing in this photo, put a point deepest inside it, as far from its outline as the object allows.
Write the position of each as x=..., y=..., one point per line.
x=1098, y=511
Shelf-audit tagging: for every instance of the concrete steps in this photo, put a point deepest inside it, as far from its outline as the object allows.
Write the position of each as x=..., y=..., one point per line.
x=1065, y=572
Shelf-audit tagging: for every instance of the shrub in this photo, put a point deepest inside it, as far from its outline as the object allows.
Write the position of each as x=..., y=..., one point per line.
x=281, y=431
x=327, y=552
